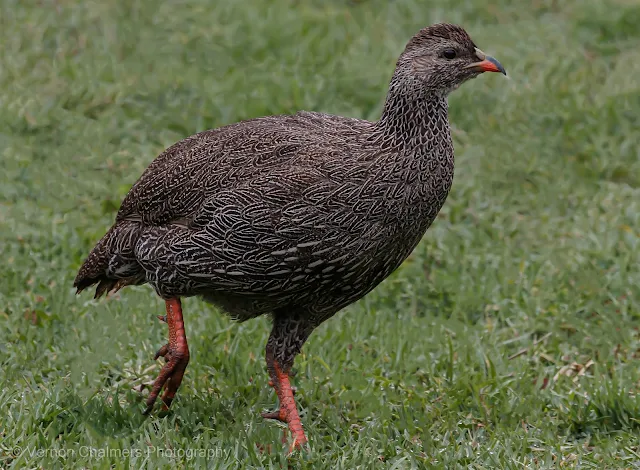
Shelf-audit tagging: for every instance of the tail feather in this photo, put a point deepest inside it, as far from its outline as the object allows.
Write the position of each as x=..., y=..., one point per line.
x=94, y=269
x=111, y=264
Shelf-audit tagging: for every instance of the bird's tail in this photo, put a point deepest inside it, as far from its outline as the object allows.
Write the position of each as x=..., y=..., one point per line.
x=111, y=264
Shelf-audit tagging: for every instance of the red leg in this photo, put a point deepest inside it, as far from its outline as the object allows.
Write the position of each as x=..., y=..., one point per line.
x=288, y=413
x=176, y=356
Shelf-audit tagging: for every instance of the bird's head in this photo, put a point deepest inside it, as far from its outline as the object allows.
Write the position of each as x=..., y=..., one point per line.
x=441, y=57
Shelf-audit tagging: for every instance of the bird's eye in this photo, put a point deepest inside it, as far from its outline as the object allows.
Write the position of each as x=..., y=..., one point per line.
x=449, y=54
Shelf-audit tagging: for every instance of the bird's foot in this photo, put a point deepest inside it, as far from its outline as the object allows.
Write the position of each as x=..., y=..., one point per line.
x=278, y=416
x=176, y=357
x=288, y=412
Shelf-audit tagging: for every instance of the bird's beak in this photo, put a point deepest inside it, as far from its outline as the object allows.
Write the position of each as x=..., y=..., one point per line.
x=486, y=64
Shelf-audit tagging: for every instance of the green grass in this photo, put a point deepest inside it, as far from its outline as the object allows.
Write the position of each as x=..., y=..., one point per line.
x=509, y=339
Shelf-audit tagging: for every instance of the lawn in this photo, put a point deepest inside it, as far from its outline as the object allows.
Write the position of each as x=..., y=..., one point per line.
x=509, y=339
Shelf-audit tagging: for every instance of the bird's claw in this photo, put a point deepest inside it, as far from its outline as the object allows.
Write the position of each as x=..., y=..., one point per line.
x=163, y=352
x=170, y=376
x=277, y=415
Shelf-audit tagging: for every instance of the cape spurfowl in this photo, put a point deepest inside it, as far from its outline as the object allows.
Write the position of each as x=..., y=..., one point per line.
x=293, y=216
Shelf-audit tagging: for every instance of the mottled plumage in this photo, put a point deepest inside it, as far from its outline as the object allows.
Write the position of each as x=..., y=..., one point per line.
x=294, y=216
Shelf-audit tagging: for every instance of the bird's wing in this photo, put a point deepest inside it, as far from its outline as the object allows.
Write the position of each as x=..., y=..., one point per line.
x=253, y=210
x=277, y=233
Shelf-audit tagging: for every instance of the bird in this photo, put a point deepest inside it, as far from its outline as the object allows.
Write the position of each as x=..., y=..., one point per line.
x=292, y=216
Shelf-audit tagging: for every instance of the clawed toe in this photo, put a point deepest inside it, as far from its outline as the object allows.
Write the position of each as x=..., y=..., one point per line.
x=277, y=415
x=170, y=377
x=162, y=352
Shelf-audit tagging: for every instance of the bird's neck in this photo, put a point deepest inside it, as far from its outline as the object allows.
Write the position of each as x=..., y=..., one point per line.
x=417, y=150
x=413, y=119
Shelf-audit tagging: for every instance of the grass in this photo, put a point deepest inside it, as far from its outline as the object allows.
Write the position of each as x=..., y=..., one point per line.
x=509, y=339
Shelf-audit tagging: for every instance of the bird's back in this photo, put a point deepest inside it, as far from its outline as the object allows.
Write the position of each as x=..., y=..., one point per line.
x=179, y=180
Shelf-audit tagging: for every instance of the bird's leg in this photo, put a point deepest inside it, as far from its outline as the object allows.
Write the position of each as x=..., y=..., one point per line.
x=282, y=347
x=288, y=412
x=176, y=356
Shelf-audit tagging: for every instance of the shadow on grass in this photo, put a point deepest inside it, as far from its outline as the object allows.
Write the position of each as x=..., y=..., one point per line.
x=119, y=415
x=605, y=412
